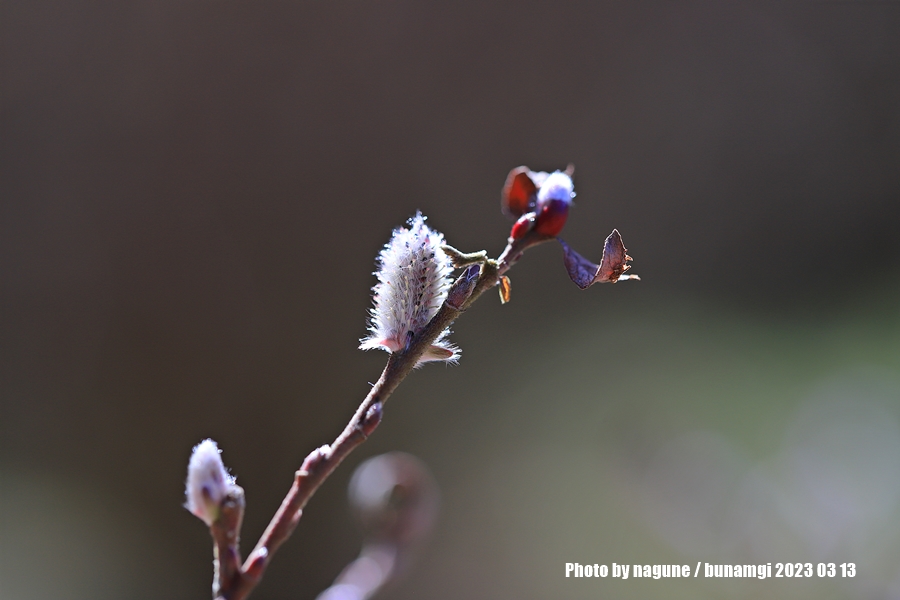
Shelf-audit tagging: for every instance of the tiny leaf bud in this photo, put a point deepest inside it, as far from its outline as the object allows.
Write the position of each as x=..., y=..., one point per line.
x=462, y=288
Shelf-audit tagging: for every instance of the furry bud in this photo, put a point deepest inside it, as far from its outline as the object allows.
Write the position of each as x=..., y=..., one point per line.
x=207, y=483
x=414, y=275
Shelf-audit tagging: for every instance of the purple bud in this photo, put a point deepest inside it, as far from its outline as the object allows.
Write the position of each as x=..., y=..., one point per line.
x=372, y=419
x=462, y=288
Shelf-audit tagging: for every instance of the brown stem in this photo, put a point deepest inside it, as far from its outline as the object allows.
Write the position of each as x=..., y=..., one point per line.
x=492, y=269
x=320, y=463
x=226, y=533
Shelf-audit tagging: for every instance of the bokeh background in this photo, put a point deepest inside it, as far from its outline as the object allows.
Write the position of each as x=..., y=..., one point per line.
x=193, y=196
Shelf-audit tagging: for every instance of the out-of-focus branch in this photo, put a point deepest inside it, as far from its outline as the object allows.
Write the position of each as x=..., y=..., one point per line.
x=366, y=575
x=396, y=500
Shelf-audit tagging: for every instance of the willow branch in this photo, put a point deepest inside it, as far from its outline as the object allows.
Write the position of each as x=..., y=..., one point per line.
x=539, y=202
x=226, y=533
x=322, y=462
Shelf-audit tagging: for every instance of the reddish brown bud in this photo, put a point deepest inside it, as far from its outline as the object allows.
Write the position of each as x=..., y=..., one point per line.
x=538, y=201
x=519, y=193
x=552, y=218
x=522, y=226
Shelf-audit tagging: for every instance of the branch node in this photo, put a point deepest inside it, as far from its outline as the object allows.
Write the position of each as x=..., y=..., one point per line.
x=464, y=259
x=314, y=459
x=256, y=564
x=371, y=420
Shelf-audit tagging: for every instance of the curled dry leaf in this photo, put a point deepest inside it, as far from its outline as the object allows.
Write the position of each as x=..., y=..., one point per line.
x=610, y=270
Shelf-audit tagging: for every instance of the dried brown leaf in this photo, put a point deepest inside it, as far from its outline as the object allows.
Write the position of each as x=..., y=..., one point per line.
x=611, y=269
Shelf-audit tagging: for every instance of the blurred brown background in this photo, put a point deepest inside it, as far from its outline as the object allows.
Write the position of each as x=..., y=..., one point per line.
x=193, y=196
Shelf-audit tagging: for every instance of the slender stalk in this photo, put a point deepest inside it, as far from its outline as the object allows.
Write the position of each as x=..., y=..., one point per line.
x=226, y=533
x=235, y=581
x=321, y=462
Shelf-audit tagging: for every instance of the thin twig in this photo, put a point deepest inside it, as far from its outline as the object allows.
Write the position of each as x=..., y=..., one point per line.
x=226, y=533
x=320, y=463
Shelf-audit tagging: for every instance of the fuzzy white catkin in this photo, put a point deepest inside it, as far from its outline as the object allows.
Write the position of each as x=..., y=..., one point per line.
x=557, y=186
x=207, y=482
x=414, y=276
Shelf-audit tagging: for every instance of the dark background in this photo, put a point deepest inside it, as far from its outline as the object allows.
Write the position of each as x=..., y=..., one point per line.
x=193, y=196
